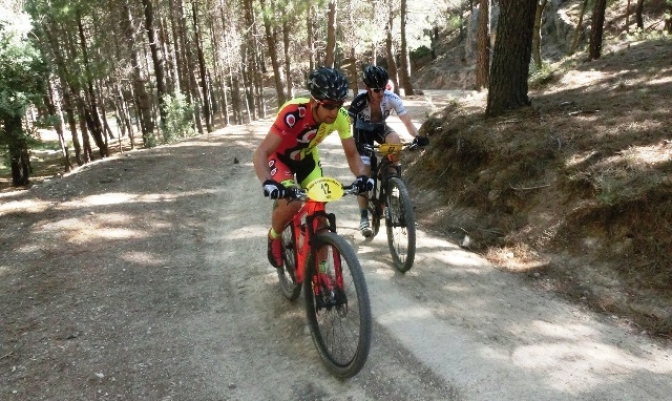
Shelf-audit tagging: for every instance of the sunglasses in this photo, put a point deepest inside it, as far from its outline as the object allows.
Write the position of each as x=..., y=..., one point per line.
x=331, y=105
x=377, y=90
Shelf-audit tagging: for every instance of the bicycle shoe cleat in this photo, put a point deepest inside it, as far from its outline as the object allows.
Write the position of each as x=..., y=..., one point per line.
x=275, y=252
x=364, y=227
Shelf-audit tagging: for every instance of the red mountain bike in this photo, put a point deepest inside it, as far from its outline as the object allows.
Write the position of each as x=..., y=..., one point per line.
x=337, y=300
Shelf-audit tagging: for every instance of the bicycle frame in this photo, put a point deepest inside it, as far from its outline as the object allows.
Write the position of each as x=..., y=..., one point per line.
x=381, y=165
x=310, y=212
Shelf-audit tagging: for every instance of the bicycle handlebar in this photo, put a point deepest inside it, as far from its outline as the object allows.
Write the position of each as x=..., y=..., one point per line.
x=301, y=194
x=410, y=146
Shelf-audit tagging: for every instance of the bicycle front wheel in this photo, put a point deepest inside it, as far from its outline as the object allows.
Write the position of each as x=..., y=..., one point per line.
x=375, y=208
x=337, y=305
x=291, y=289
x=400, y=224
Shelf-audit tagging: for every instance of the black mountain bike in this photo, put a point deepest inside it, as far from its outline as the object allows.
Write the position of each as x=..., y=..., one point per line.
x=389, y=201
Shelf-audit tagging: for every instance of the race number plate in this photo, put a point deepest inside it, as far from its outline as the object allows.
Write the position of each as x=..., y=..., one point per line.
x=390, y=148
x=325, y=189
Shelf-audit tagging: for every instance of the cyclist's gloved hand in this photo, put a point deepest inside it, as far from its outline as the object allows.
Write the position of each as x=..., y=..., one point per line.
x=421, y=141
x=363, y=184
x=274, y=189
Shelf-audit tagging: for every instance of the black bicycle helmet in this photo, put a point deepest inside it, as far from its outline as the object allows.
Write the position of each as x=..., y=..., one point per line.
x=328, y=84
x=374, y=76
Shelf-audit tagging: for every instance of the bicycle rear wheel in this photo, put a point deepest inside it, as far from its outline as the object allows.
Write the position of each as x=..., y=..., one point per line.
x=400, y=223
x=287, y=274
x=339, y=313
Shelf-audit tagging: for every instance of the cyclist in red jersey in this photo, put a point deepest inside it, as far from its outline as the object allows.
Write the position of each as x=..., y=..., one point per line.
x=288, y=154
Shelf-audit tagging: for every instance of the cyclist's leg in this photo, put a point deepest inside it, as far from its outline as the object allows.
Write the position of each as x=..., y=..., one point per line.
x=283, y=211
x=364, y=138
x=309, y=171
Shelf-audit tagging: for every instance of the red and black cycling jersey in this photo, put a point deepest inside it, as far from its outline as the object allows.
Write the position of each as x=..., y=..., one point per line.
x=300, y=133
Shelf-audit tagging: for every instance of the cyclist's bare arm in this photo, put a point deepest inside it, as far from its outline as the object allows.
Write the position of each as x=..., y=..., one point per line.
x=354, y=161
x=410, y=127
x=260, y=157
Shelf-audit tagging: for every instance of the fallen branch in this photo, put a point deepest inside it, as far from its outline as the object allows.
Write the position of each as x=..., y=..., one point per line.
x=528, y=188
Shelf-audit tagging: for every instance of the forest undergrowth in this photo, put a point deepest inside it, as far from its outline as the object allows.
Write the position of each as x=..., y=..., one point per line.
x=573, y=192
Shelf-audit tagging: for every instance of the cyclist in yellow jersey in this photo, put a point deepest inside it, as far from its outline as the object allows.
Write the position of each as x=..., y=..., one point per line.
x=289, y=150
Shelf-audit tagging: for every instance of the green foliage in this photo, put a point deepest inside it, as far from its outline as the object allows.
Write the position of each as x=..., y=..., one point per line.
x=22, y=71
x=420, y=53
x=22, y=74
x=540, y=76
x=178, y=118
x=640, y=34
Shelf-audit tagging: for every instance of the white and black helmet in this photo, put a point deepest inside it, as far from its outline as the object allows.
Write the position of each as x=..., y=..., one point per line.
x=328, y=84
x=374, y=76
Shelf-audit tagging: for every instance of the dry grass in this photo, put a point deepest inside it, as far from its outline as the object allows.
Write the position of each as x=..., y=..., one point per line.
x=574, y=191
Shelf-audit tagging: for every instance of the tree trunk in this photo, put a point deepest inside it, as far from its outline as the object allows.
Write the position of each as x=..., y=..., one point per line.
x=72, y=124
x=103, y=117
x=536, y=37
x=157, y=59
x=79, y=102
x=597, y=29
x=577, y=31
x=205, y=88
x=93, y=121
x=142, y=99
x=391, y=63
x=405, y=57
x=219, y=79
x=187, y=81
x=627, y=17
x=639, y=9
x=511, y=58
x=286, y=41
x=246, y=72
x=248, y=62
x=224, y=75
x=257, y=69
x=169, y=59
x=236, y=99
x=83, y=128
x=311, y=35
x=190, y=79
x=330, y=56
x=178, y=55
x=54, y=108
x=353, y=71
x=18, y=149
x=272, y=43
x=483, y=55
x=68, y=106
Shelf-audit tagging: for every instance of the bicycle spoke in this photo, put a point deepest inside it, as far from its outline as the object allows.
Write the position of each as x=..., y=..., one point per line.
x=287, y=275
x=340, y=323
x=400, y=225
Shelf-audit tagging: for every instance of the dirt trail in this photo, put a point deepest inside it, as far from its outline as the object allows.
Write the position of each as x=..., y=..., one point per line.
x=144, y=277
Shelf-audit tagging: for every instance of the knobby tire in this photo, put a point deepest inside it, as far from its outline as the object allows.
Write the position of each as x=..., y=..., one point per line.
x=375, y=208
x=342, y=333
x=286, y=275
x=400, y=224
